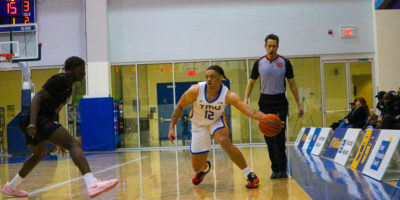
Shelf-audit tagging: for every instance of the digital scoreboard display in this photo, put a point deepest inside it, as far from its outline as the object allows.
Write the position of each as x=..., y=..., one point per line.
x=17, y=11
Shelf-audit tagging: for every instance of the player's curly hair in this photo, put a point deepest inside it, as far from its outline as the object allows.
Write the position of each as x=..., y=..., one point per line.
x=73, y=62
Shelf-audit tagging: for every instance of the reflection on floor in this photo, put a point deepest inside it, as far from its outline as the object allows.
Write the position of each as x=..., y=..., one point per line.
x=323, y=179
x=167, y=174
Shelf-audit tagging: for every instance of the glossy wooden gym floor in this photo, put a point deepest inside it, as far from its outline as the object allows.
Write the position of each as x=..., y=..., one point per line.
x=167, y=174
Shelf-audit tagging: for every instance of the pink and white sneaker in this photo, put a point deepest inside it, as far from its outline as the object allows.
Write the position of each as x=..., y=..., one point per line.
x=100, y=187
x=16, y=192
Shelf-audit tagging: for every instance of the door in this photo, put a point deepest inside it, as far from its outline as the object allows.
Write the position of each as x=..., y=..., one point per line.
x=343, y=81
x=166, y=107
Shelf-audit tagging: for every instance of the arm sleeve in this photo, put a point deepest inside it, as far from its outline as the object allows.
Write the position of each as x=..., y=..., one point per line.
x=289, y=69
x=52, y=85
x=254, y=73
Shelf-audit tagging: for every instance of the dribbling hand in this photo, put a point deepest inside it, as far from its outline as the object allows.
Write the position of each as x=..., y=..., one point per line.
x=31, y=130
x=283, y=124
x=171, y=135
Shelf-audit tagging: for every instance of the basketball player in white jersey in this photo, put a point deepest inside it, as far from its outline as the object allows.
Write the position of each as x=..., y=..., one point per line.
x=208, y=101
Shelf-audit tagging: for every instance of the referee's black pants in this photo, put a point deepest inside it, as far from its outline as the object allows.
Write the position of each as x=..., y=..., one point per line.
x=276, y=104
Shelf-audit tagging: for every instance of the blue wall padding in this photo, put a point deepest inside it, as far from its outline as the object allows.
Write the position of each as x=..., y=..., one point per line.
x=97, y=126
x=16, y=138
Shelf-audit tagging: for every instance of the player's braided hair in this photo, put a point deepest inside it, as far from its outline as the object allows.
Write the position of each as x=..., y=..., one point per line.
x=218, y=69
x=73, y=62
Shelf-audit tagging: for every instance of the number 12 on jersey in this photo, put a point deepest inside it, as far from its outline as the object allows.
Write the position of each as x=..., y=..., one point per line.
x=209, y=115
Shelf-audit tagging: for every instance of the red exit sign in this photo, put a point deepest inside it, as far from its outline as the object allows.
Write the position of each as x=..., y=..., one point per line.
x=348, y=32
x=192, y=72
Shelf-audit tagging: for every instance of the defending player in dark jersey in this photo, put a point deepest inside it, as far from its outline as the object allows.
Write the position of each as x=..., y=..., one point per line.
x=40, y=124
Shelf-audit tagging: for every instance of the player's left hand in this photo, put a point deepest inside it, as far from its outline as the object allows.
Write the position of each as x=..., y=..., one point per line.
x=172, y=135
x=61, y=150
x=301, y=111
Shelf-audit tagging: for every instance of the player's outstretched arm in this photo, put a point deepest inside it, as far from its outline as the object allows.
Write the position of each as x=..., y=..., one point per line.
x=234, y=99
x=187, y=98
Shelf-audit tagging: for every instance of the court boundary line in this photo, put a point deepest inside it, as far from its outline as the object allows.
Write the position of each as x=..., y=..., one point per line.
x=217, y=146
x=81, y=177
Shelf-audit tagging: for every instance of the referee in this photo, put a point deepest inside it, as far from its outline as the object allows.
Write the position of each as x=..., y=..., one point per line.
x=273, y=70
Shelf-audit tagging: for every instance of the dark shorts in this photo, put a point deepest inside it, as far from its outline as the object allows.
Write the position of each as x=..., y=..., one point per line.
x=45, y=127
x=278, y=101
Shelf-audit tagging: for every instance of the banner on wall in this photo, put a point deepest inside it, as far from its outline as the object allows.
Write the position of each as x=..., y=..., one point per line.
x=304, y=137
x=387, y=4
x=382, y=155
x=335, y=143
x=309, y=138
x=349, y=146
x=324, y=136
x=368, y=142
x=296, y=143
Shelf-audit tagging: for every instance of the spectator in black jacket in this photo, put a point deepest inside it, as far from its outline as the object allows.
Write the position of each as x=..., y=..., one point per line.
x=358, y=116
x=380, y=103
x=336, y=124
x=391, y=113
x=375, y=119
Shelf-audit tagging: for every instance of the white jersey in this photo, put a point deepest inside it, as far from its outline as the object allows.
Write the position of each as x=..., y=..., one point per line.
x=206, y=112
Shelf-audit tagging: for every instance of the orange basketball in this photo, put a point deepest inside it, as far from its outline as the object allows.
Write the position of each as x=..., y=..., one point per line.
x=270, y=125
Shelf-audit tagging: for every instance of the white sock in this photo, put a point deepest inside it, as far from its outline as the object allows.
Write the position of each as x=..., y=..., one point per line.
x=247, y=171
x=89, y=179
x=16, y=181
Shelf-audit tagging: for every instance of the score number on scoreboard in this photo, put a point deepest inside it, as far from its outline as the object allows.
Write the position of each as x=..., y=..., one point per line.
x=17, y=11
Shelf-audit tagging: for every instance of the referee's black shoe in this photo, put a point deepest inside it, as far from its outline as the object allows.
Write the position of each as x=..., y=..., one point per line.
x=274, y=175
x=282, y=175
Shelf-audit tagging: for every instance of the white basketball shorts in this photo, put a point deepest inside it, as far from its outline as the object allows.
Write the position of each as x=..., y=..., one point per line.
x=201, y=140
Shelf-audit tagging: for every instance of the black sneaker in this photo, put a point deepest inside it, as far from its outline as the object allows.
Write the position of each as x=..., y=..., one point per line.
x=198, y=178
x=252, y=181
x=282, y=175
x=274, y=175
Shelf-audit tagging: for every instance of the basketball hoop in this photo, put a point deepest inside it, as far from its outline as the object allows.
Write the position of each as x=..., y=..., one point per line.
x=7, y=56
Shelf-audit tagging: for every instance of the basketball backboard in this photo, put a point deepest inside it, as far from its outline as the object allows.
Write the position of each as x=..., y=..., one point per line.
x=21, y=40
